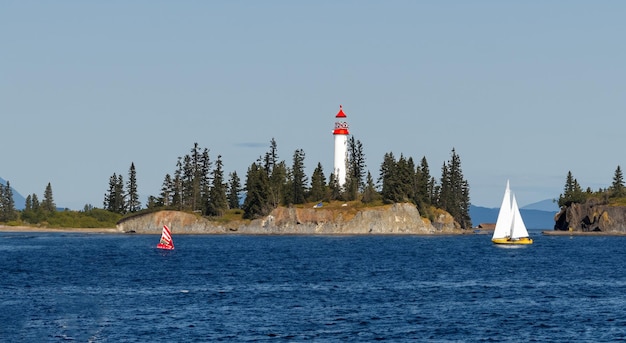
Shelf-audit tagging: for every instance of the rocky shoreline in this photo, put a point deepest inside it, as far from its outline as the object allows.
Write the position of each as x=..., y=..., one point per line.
x=394, y=219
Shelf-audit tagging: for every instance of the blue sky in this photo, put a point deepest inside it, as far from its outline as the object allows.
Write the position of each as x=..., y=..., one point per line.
x=523, y=90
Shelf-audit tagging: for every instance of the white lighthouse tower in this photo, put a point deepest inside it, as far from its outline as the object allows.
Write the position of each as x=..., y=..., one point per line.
x=341, y=146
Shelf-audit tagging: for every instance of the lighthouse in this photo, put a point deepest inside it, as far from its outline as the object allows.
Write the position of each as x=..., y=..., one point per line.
x=341, y=146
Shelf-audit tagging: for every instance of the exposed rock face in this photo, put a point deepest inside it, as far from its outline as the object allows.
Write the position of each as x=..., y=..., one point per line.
x=591, y=216
x=390, y=219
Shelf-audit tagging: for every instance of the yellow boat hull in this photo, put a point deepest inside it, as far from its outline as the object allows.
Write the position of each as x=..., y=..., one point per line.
x=523, y=240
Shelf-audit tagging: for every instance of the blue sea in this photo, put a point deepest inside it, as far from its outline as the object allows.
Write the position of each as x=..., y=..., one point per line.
x=58, y=287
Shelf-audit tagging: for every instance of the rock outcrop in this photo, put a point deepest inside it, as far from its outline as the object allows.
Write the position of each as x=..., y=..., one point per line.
x=592, y=216
x=388, y=219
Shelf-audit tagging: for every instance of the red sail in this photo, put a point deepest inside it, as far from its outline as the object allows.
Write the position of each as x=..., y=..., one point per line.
x=166, y=239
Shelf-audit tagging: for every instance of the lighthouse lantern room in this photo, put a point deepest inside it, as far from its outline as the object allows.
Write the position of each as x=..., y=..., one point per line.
x=341, y=146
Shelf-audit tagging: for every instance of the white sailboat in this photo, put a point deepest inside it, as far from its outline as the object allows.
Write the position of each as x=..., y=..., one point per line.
x=510, y=228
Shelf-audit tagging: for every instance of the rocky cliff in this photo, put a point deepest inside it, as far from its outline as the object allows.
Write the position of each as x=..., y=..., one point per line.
x=592, y=216
x=389, y=219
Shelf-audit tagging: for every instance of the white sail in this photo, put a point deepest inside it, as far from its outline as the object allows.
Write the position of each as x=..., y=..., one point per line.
x=505, y=216
x=518, y=228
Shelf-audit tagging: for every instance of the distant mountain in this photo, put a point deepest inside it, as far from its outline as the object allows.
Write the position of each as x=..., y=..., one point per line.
x=543, y=205
x=534, y=219
x=20, y=201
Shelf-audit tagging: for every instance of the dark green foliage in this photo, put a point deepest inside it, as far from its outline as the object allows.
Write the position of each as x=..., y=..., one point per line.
x=572, y=192
x=355, y=170
x=334, y=188
x=369, y=192
x=297, y=180
x=234, y=189
x=93, y=218
x=32, y=213
x=256, y=203
x=617, y=187
x=318, y=190
x=454, y=192
x=7, y=204
x=114, y=198
x=47, y=204
x=393, y=187
x=133, y=204
x=423, y=186
x=218, y=202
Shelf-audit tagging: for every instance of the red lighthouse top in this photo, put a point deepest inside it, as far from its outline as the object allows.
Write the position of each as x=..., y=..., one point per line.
x=340, y=114
x=341, y=128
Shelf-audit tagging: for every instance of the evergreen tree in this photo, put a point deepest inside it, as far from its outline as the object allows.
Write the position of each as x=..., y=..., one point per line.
x=298, y=178
x=423, y=191
x=120, y=195
x=256, y=203
x=572, y=192
x=204, y=175
x=234, y=188
x=369, y=192
x=389, y=178
x=48, y=203
x=218, y=203
x=188, y=183
x=177, y=183
x=278, y=184
x=318, y=190
x=271, y=157
x=334, y=187
x=355, y=169
x=109, y=196
x=454, y=193
x=617, y=188
x=7, y=203
x=35, y=204
x=133, y=204
x=276, y=171
x=167, y=191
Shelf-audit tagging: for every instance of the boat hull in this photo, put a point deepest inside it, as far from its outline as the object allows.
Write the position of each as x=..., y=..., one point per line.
x=522, y=240
x=166, y=247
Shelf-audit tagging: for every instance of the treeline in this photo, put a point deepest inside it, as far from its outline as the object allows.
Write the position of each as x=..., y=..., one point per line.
x=45, y=213
x=199, y=184
x=573, y=192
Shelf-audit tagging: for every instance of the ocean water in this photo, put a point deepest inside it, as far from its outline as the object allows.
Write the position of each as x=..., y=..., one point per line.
x=119, y=288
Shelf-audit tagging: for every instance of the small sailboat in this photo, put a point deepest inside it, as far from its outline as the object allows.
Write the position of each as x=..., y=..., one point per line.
x=166, y=241
x=510, y=228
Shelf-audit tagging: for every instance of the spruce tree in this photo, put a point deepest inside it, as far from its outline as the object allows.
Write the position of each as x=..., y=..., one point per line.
x=355, y=169
x=572, y=192
x=234, y=189
x=119, y=200
x=617, y=188
x=318, y=190
x=454, y=195
x=423, y=192
x=167, y=190
x=109, y=196
x=7, y=204
x=218, y=203
x=133, y=204
x=257, y=193
x=389, y=179
x=276, y=172
x=298, y=178
x=369, y=192
x=48, y=202
x=334, y=187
